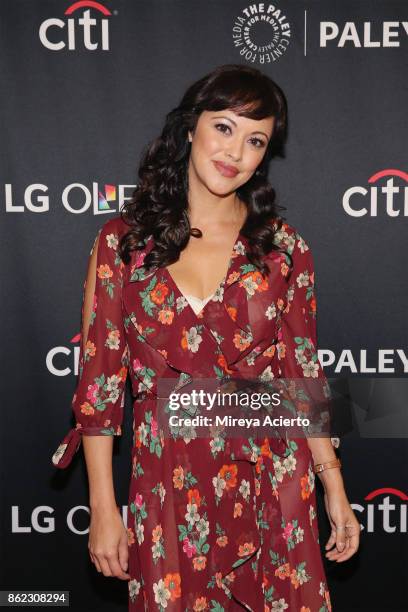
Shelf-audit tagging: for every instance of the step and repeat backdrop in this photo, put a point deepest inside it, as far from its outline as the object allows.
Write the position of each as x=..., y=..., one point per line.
x=85, y=86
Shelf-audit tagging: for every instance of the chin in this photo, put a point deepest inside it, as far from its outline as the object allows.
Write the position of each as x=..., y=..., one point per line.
x=218, y=189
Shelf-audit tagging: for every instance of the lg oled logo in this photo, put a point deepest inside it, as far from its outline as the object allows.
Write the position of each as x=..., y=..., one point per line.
x=76, y=198
x=42, y=519
x=78, y=29
x=381, y=514
x=387, y=194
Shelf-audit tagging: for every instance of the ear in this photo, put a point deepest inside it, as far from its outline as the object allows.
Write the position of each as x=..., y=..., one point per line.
x=190, y=136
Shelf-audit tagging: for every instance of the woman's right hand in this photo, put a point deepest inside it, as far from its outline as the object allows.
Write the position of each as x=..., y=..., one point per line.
x=108, y=543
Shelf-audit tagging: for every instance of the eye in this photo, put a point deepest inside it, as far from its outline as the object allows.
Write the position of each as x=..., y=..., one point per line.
x=223, y=127
x=260, y=143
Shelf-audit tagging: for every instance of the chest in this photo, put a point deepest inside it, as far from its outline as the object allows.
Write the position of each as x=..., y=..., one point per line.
x=236, y=330
x=202, y=266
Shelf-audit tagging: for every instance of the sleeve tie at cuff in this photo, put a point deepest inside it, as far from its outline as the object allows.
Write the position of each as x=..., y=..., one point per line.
x=67, y=449
x=72, y=441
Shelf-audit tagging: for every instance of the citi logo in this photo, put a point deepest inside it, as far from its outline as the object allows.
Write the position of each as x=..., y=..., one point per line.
x=59, y=358
x=385, y=195
x=78, y=28
x=383, y=515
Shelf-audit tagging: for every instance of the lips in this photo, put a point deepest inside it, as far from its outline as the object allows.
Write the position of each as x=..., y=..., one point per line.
x=226, y=169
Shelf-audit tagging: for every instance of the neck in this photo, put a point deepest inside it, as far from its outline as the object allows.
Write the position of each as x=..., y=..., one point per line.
x=207, y=209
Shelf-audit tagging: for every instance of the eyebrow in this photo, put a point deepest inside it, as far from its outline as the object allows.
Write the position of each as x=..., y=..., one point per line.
x=232, y=121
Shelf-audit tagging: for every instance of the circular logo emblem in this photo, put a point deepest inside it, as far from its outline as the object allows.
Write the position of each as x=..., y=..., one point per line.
x=261, y=33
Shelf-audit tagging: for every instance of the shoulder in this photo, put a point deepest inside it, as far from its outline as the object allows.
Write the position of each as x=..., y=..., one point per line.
x=115, y=227
x=289, y=239
x=109, y=234
x=107, y=239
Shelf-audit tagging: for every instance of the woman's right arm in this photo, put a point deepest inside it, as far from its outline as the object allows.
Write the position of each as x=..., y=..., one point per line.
x=107, y=545
x=108, y=540
x=99, y=398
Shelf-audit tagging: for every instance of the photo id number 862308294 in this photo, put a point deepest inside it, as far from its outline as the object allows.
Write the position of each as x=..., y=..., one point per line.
x=34, y=598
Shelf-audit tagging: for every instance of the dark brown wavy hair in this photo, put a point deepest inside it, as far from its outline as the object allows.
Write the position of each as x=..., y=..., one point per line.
x=158, y=206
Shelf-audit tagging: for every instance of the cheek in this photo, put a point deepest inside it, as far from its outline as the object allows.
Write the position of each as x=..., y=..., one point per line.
x=210, y=145
x=253, y=159
x=205, y=150
x=209, y=140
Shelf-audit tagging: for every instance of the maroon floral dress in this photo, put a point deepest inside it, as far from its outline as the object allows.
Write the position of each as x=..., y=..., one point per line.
x=212, y=524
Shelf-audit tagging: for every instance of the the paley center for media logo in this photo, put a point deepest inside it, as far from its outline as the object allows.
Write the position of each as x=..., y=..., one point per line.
x=261, y=33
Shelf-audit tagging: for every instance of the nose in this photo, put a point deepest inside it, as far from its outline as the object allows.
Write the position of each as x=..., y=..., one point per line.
x=234, y=150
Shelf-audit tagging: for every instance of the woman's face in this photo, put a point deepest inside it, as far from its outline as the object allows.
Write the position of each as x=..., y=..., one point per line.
x=226, y=149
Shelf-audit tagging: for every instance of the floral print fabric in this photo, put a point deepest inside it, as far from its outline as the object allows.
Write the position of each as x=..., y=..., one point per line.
x=213, y=524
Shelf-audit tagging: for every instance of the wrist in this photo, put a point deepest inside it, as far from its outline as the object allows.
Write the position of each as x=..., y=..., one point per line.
x=103, y=505
x=332, y=480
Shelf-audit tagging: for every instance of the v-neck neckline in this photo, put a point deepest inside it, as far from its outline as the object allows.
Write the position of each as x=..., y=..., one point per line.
x=217, y=290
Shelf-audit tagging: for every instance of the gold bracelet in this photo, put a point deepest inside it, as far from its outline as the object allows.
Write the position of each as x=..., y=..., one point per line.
x=319, y=467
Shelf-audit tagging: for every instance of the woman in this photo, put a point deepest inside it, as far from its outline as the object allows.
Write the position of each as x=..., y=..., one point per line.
x=214, y=523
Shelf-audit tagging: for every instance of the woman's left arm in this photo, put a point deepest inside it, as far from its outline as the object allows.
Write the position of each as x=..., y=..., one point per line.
x=301, y=367
x=345, y=528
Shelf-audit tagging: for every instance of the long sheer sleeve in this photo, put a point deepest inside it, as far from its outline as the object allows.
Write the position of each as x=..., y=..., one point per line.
x=99, y=396
x=297, y=350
